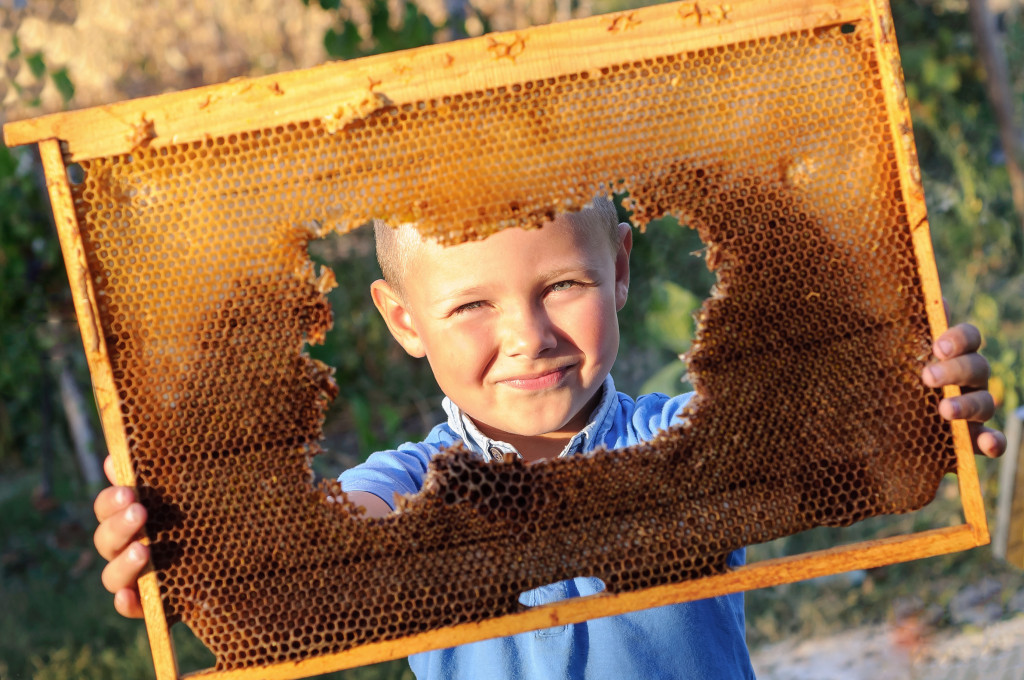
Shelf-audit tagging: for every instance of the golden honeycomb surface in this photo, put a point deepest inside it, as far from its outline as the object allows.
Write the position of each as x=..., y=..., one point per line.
x=809, y=409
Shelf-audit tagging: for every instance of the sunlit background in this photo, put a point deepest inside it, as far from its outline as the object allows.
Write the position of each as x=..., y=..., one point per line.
x=952, y=617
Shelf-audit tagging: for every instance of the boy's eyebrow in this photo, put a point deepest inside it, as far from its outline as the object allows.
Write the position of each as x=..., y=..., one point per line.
x=576, y=268
x=470, y=291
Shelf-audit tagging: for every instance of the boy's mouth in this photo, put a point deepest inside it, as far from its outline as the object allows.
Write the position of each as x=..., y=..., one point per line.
x=538, y=381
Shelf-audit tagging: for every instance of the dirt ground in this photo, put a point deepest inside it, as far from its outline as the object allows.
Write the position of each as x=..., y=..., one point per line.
x=899, y=652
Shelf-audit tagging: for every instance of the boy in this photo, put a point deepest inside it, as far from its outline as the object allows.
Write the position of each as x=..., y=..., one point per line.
x=521, y=333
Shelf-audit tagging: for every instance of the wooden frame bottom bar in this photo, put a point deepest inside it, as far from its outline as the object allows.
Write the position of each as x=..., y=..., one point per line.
x=773, y=572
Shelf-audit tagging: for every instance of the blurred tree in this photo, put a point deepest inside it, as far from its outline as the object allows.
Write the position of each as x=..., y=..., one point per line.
x=979, y=246
x=33, y=291
x=997, y=80
x=36, y=366
x=388, y=32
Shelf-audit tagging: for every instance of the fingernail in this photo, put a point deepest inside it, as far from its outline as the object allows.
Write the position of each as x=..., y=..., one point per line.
x=946, y=347
x=135, y=552
x=122, y=497
x=131, y=515
x=937, y=374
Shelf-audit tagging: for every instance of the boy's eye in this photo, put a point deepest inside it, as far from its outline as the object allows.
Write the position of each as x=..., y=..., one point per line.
x=564, y=285
x=469, y=306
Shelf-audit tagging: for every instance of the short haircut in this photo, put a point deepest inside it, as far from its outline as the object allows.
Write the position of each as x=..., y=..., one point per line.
x=392, y=250
x=395, y=243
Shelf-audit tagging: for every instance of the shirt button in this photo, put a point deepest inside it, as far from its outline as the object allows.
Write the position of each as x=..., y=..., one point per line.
x=497, y=454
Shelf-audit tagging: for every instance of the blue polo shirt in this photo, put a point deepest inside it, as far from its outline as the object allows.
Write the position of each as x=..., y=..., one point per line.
x=702, y=640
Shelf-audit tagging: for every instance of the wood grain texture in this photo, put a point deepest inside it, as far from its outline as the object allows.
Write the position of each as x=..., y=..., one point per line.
x=342, y=89
x=901, y=128
x=107, y=402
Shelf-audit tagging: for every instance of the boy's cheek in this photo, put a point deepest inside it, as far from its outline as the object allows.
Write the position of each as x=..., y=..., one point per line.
x=460, y=358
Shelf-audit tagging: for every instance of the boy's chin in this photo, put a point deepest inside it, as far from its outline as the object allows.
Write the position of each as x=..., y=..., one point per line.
x=538, y=427
x=547, y=419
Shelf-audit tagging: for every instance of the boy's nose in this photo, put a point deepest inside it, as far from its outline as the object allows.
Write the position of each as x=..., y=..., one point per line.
x=528, y=333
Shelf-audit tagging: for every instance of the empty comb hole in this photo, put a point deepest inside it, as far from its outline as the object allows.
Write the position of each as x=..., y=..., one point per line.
x=76, y=175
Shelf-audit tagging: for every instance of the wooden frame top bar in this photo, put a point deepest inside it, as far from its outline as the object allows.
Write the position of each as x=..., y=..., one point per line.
x=343, y=90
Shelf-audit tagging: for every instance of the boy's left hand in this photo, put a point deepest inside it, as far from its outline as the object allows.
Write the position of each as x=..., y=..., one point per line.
x=958, y=363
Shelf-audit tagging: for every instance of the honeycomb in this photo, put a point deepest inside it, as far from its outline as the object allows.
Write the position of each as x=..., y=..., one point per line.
x=809, y=409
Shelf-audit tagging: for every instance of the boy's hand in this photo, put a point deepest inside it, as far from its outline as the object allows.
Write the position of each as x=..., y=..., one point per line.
x=958, y=363
x=121, y=521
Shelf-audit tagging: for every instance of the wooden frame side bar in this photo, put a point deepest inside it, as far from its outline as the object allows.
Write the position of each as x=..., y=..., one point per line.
x=864, y=555
x=913, y=196
x=345, y=91
x=108, y=404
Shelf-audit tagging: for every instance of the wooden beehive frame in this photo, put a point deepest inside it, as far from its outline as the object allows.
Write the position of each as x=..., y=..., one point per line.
x=343, y=89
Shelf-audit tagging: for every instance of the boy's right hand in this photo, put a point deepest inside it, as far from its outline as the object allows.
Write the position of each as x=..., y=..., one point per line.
x=121, y=521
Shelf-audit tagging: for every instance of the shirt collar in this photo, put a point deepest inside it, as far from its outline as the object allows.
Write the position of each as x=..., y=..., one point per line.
x=495, y=450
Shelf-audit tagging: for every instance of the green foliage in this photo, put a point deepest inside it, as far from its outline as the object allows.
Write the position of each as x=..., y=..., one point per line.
x=414, y=30
x=370, y=437
x=34, y=299
x=63, y=84
x=386, y=392
x=670, y=324
x=37, y=66
x=325, y=4
x=343, y=44
x=33, y=287
x=670, y=320
x=669, y=282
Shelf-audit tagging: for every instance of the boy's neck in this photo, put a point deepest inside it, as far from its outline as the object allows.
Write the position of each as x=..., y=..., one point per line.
x=533, y=448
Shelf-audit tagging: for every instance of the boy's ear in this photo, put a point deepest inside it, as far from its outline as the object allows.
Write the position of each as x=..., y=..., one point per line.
x=622, y=264
x=396, y=315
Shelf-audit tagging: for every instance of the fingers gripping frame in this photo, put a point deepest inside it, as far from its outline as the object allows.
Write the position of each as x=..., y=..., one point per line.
x=779, y=130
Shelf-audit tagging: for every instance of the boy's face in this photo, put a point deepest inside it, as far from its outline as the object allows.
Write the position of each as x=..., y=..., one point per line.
x=520, y=329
